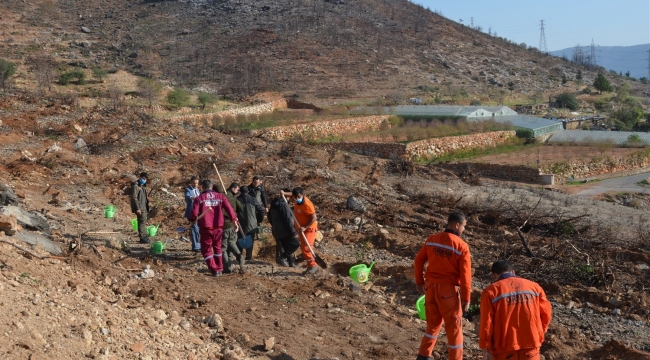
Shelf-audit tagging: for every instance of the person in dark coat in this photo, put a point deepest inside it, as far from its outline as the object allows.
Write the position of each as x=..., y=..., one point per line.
x=250, y=218
x=229, y=238
x=140, y=206
x=284, y=232
x=257, y=191
x=191, y=192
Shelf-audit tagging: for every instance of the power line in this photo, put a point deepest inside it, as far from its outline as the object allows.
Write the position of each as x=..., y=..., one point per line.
x=542, y=39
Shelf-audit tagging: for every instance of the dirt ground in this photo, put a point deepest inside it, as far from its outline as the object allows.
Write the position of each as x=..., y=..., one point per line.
x=93, y=304
x=549, y=154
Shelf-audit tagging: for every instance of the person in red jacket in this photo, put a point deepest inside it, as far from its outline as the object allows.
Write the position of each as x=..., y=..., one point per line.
x=211, y=224
x=515, y=315
x=449, y=270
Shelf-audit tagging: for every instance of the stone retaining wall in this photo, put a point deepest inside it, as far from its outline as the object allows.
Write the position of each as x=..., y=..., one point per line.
x=426, y=148
x=439, y=146
x=324, y=128
x=380, y=150
x=581, y=169
x=216, y=118
x=508, y=172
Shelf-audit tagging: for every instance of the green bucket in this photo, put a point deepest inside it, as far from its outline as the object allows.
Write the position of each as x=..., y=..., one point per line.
x=359, y=273
x=419, y=306
x=109, y=211
x=152, y=230
x=134, y=224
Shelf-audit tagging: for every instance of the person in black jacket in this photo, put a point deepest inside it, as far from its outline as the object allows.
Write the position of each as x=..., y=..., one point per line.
x=140, y=206
x=257, y=191
x=250, y=218
x=284, y=232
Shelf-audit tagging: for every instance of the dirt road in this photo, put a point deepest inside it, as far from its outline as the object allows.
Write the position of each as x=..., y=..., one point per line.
x=621, y=184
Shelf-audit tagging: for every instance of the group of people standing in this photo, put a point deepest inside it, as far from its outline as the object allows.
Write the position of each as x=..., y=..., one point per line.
x=243, y=209
x=219, y=217
x=515, y=313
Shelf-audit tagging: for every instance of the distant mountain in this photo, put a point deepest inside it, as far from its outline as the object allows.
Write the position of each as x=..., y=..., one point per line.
x=619, y=58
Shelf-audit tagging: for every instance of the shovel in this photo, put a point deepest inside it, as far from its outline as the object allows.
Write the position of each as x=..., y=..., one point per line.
x=183, y=229
x=318, y=259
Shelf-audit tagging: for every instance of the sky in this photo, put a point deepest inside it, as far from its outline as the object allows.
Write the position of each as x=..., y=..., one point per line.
x=567, y=22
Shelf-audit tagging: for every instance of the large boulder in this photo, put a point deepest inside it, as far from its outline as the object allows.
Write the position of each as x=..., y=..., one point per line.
x=355, y=205
x=7, y=196
x=38, y=240
x=31, y=221
x=80, y=146
x=8, y=224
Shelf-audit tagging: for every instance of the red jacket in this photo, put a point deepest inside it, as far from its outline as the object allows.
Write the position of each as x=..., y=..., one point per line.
x=218, y=202
x=515, y=315
x=449, y=263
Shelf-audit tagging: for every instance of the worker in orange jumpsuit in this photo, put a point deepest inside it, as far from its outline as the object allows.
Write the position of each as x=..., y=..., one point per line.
x=515, y=315
x=449, y=271
x=305, y=214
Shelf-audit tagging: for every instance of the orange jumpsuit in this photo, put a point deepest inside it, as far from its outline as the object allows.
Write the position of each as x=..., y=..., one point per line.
x=449, y=267
x=303, y=213
x=515, y=315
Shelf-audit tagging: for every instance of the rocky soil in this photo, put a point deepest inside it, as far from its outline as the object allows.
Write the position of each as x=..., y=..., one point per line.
x=318, y=49
x=96, y=301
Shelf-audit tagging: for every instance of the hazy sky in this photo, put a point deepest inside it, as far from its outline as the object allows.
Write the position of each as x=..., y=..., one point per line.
x=567, y=22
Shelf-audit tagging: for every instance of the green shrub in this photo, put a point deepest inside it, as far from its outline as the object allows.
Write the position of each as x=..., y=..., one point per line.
x=66, y=77
x=7, y=70
x=205, y=98
x=395, y=120
x=99, y=74
x=179, y=97
x=524, y=133
x=475, y=102
x=568, y=100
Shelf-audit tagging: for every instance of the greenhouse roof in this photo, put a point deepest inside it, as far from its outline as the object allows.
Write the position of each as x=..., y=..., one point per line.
x=522, y=121
x=587, y=136
x=463, y=111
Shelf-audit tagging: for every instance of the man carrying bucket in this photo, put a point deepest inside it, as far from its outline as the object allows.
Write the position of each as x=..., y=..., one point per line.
x=504, y=304
x=140, y=206
x=305, y=214
x=449, y=268
x=250, y=218
x=211, y=224
x=191, y=192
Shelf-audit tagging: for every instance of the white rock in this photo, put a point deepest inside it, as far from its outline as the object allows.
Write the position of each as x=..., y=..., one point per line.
x=159, y=315
x=215, y=321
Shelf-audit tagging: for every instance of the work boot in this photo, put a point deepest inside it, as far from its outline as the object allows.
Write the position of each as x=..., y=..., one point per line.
x=282, y=260
x=421, y=357
x=291, y=260
x=145, y=241
x=217, y=273
x=311, y=270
